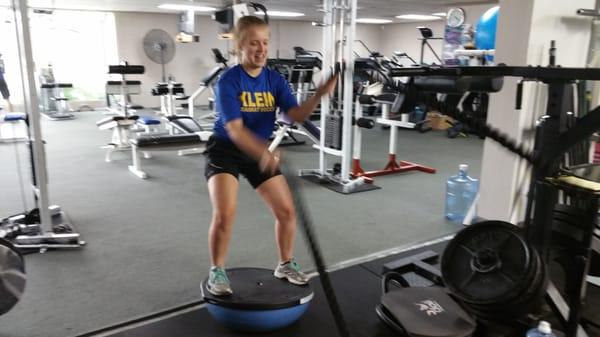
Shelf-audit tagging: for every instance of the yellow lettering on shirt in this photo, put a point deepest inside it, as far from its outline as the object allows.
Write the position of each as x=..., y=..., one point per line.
x=258, y=97
x=257, y=101
x=270, y=99
x=243, y=99
x=251, y=104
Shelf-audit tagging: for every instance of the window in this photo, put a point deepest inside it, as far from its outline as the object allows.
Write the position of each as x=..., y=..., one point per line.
x=10, y=55
x=79, y=46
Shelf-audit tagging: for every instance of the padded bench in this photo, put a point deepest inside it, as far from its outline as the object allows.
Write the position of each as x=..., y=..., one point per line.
x=184, y=124
x=166, y=89
x=14, y=117
x=148, y=120
x=312, y=130
x=114, y=121
x=56, y=85
x=148, y=123
x=160, y=143
x=152, y=142
x=13, y=127
x=288, y=128
x=129, y=87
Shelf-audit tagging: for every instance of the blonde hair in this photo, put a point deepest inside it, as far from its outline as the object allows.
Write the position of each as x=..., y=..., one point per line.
x=243, y=25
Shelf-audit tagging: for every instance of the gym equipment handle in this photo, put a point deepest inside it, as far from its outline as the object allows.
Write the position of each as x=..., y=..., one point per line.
x=128, y=69
x=366, y=123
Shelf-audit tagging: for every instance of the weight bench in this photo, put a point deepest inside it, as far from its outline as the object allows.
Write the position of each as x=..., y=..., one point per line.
x=13, y=127
x=184, y=124
x=179, y=124
x=148, y=123
x=161, y=143
x=288, y=128
x=121, y=127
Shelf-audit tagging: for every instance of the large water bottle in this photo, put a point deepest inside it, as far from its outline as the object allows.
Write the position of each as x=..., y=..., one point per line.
x=417, y=115
x=460, y=193
x=543, y=330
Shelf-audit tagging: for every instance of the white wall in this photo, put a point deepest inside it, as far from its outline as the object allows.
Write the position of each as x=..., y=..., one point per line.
x=193, y=60
x=285, y=35
x=404, y=36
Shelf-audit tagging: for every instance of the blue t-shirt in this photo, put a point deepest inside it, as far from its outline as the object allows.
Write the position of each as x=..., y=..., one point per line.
x=253, y=99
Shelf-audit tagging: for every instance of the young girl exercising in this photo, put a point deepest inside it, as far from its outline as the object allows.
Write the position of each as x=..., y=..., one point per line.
x=247, y=97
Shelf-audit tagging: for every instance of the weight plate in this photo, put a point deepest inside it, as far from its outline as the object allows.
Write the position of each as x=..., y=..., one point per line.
x=532, y=297
x=488, y=262
x=12, y=276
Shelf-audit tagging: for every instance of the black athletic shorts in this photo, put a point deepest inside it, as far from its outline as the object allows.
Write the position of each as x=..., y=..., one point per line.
x=225, y=157
x=4, y=89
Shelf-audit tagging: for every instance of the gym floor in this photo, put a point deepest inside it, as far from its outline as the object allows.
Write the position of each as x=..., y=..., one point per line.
x=147, y=248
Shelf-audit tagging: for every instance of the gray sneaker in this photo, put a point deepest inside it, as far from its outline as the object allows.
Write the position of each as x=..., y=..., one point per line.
x=218, y=283
x=292, y=272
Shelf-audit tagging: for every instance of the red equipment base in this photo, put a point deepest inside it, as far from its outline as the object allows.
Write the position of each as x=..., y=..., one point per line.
x=391, y=167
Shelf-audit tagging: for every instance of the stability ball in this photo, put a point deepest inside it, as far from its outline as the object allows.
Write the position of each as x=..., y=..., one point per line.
x=485, y=34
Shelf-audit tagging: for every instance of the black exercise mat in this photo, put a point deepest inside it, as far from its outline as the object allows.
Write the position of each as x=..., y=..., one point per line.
x=358, y=290
x=358, y=293
x=338, y=188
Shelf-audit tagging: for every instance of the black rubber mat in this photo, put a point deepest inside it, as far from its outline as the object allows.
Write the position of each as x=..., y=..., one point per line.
x=358, y=292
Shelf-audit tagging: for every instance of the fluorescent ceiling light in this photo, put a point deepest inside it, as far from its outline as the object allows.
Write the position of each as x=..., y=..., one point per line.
x=418, y=17
x=280, y=13
x=180, y=7
x=371, y=20
x=442, y=14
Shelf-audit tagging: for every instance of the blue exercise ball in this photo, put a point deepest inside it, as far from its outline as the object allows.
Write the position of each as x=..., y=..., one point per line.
x=256, y=320
x=485, y=31
x=260, y=302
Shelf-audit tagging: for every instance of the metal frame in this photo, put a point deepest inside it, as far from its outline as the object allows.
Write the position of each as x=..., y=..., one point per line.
x=341, y=35
x=194, y=95
x=54, y=104
x=553, y=138
x=37, y=235
x=124, y=90
x=392, y=166
x=123, y=126
x=121, y=132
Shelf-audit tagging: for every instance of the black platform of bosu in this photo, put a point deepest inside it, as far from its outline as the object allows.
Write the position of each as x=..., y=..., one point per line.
x=260, y=302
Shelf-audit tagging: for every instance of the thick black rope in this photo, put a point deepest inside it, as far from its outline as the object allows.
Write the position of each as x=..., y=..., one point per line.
x=311, y=239
x=496, y=135
x=585, y=127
